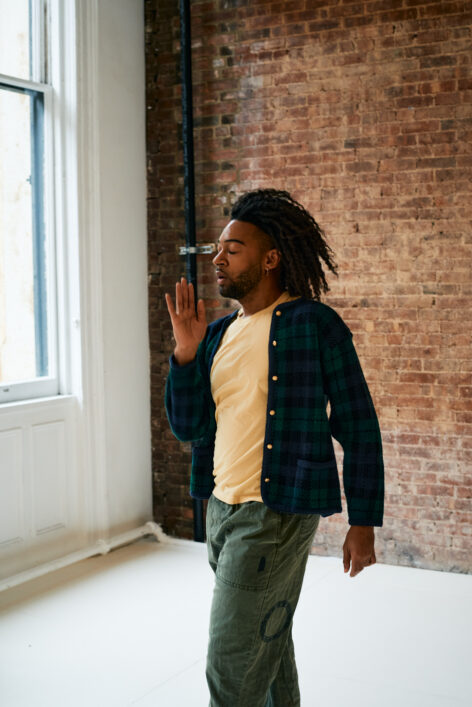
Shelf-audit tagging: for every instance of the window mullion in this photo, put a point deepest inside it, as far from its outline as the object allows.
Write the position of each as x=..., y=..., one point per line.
x=37, y=40
x=39, y=255
x=13, y=82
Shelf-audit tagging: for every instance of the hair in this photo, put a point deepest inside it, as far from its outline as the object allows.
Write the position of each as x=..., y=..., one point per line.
x=295, y=234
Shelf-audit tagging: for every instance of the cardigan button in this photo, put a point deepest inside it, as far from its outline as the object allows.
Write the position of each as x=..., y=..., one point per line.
x=274, y=343
x=269, y=446
x=272, y=412
x=278, y=312
x=266, y=480
x=275, y=378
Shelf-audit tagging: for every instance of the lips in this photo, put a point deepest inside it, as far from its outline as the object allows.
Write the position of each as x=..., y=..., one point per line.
x=220, y=277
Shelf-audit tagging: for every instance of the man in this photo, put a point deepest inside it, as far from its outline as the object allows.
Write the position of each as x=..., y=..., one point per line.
x=251, y=392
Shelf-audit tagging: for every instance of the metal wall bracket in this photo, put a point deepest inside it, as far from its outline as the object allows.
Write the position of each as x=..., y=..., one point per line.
x=201, y=249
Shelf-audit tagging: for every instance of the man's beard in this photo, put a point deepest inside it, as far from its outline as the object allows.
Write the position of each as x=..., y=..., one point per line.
x=243, y=284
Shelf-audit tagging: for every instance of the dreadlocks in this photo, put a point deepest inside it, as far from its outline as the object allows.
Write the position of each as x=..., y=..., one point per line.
x=295, y=234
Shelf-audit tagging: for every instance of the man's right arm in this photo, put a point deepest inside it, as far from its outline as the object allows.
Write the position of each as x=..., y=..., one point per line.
x=186, y=401
x=186, y=394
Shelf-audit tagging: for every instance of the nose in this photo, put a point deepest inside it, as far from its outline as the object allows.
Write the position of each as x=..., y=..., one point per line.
x=218, y=258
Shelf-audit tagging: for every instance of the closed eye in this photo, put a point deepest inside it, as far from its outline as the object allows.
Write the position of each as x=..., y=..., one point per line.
x=230, y=252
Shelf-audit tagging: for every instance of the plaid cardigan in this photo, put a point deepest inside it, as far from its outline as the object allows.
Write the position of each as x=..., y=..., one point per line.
x=311, y=360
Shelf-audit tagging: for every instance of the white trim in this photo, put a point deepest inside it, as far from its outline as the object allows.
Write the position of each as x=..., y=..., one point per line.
x=34, y=404
x=74, y=38
x=25, y=83
x=18, y=392
x=64, y=80
x=90, y=257
x=37, y=40
x=51, y=127
x=62, y=73
x=101, y=547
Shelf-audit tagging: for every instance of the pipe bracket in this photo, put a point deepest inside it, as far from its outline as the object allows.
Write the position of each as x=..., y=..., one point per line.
x=201, y=249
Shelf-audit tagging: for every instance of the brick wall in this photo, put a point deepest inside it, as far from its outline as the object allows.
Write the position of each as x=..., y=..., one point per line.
x=362, y=110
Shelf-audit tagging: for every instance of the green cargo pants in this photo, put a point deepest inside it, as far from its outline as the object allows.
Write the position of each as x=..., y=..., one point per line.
x=259, y=558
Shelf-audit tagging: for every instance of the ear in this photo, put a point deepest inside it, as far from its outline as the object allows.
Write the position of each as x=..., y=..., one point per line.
x=272, y=259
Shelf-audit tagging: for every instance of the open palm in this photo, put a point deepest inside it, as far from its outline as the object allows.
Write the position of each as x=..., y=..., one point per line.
x=189, y=325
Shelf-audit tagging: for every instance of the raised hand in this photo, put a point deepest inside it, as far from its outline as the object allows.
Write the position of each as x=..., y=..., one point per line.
x=189, y=326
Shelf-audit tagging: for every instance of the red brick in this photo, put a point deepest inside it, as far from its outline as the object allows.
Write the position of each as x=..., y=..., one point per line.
x=361, y=110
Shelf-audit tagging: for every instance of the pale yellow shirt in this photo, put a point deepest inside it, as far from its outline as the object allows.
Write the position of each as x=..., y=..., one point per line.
x=239, y=385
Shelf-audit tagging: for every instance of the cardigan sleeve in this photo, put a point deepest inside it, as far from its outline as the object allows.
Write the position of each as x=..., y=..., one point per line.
x=354, y=424
x=185, y=400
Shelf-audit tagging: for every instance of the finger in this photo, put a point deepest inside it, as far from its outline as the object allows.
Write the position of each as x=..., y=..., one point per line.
x=356, y=568
x=185, y=293
x=201, y=310
x=170, y=306
x=178, y=298
x=191, y=296
x=346, y=558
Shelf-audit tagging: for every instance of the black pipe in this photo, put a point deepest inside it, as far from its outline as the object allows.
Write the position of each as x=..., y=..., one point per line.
x=189, y=190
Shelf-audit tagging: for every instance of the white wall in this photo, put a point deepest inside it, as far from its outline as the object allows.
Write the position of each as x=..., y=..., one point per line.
x=121, y=82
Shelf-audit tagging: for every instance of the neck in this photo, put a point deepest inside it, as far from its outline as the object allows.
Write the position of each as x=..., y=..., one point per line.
x=260, y=298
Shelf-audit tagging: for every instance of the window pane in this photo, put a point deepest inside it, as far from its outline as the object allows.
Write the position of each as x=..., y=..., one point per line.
x=23, y=321
x=15, y=38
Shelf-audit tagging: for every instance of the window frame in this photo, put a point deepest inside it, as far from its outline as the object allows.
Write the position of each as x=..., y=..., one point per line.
x=48, y=126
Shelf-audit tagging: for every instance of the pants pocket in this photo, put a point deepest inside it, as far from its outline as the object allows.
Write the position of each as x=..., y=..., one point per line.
x=250, y=548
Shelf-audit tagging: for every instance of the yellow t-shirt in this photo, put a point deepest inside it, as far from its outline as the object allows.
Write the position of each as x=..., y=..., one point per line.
x=239, y=385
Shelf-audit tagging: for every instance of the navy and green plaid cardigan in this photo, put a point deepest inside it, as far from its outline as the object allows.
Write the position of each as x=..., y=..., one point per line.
x=313, y=360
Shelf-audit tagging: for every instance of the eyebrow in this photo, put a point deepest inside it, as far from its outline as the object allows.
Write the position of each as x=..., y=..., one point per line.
x=230, y=240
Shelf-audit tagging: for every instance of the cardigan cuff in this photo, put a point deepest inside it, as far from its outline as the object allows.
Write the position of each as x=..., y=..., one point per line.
x=358, y=520
x=177, y=367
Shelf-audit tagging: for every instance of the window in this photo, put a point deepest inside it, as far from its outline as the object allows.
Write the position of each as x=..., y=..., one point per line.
x=28, y=360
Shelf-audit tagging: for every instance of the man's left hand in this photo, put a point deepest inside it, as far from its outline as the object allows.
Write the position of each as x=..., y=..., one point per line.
x=358, y=549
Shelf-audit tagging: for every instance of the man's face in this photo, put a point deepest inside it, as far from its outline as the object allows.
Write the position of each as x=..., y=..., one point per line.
x=240, y=259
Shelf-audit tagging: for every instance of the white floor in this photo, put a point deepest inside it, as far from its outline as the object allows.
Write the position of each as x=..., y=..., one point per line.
x=130, y=628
